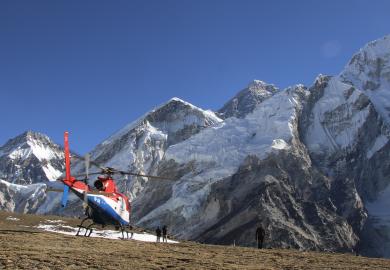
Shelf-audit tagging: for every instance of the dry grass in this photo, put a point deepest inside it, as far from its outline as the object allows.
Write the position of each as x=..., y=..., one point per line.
x=24, y=247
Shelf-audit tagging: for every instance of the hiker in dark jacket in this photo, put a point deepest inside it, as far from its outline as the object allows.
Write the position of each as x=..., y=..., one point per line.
x=260, y=234
x=130, y=230
x=164, y=233
x=158, y=234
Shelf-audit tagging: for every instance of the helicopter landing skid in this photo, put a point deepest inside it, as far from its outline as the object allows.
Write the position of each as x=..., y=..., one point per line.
x=88, y=229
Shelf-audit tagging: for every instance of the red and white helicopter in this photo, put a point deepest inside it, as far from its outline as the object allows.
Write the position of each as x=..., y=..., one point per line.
x=104, y=205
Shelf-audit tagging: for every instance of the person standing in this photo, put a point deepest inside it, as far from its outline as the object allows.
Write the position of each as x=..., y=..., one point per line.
x=164, y=233
x=131, y=232
x=260, y=234
x=158, y=234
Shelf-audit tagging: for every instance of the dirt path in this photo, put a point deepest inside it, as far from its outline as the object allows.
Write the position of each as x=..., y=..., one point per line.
x=24, y=247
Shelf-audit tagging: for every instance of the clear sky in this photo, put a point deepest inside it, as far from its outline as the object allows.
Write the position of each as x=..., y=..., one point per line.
x=91, y=67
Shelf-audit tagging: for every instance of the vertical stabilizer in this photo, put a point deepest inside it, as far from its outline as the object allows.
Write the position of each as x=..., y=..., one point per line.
x=67, y=169
x=67, y=156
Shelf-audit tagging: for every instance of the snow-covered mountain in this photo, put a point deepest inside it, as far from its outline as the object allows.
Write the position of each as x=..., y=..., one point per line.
x=27, y=161
x=141, y=145
x=311, y=164
x=31, y=158
x=246, y=171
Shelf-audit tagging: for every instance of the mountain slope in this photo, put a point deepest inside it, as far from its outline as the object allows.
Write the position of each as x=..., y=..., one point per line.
x=26, y=163
x=21, y=198
x=369, y=70
x=31, y=158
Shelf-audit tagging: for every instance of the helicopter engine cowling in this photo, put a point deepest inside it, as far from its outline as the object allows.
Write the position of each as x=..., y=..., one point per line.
x=98, y=184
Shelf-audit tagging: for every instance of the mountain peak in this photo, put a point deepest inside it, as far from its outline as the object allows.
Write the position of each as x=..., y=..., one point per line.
x=378, y=47
x=33, y=135
x=30, y=157
x=247, y=99
x=24, y=138
x=177, y=100
x=369, y=71
x=260, y=85
x=173, y=114
x=174, y=100
x=369, y=68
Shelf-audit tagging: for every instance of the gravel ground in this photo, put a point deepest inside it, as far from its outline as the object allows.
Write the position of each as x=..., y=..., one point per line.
x=24, y=247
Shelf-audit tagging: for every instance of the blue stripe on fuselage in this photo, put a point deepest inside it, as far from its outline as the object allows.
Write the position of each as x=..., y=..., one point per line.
x=105, y=208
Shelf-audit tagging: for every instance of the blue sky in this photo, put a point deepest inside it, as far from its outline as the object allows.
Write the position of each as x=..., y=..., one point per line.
x=91, y=67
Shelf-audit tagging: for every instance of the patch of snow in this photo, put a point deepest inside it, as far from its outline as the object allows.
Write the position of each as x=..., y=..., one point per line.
x=381, y=100
x=41, y=151
x=20, y=153
x=54, y=221
x=379, y=143
x=51, y=173
x=12, y=218
x=23, y=188
x=279, y=144
x=109, y=234
x=320, y=137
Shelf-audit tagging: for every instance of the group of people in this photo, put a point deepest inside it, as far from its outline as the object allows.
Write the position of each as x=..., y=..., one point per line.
x=163, y=232
x=260, y=235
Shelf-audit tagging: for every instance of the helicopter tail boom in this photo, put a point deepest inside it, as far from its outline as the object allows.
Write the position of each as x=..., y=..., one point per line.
x=67, y=156
x=67, y=170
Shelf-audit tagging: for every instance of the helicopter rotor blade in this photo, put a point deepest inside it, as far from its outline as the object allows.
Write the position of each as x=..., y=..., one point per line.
x=54, y=190
x=84, y=175
x=91, y=162
x=144, y=175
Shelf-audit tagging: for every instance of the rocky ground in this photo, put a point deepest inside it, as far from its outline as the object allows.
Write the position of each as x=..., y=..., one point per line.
x=23, y=246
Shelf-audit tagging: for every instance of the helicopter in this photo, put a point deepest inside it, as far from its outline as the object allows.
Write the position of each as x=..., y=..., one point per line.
x=104, y=204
